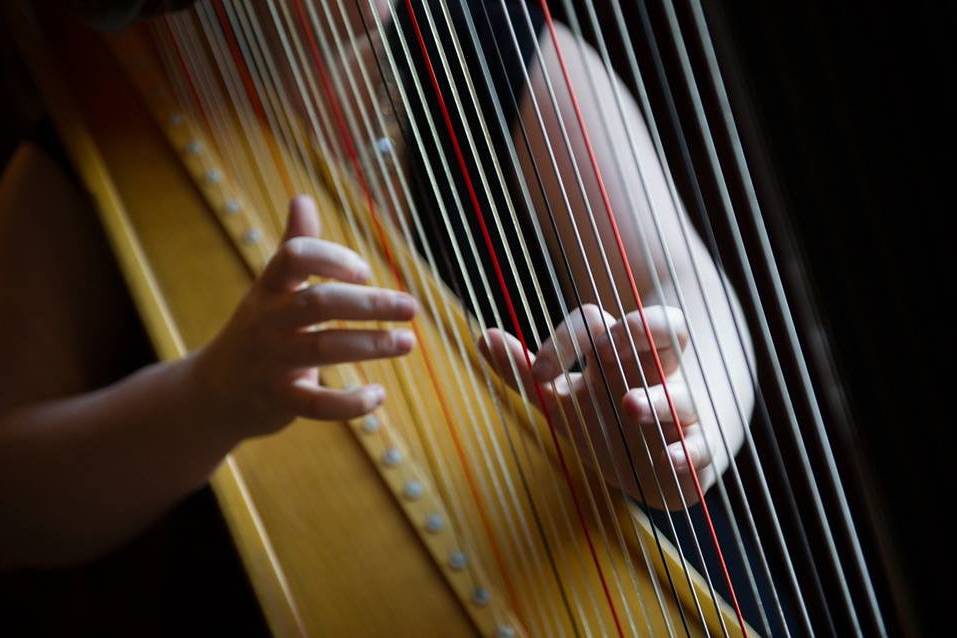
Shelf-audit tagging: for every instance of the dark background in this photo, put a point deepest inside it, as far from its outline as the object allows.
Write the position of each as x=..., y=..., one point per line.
x=182, y=577
x=848, y=109
x=854, y=105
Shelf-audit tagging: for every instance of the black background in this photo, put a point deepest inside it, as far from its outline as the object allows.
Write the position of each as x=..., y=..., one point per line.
x=850, y=110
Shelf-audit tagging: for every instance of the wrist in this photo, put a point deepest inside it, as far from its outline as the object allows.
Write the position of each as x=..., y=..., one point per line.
x=231, y=408
x=211, y=401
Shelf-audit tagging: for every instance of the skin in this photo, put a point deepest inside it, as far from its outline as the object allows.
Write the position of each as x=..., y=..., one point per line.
x=687, y=383
x=81, y=474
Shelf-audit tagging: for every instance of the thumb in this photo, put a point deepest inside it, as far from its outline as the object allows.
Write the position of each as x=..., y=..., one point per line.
x=303, y=220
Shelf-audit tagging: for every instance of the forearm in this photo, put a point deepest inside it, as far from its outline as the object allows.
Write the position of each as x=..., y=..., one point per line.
x=79, y=475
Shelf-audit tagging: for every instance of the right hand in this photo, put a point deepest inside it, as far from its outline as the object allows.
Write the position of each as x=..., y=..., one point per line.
x=262, y=370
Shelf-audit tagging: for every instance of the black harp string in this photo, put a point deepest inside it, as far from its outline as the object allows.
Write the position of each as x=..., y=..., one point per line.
x=740, y=252
x=532, y=504
x=454, y=242
x=450, y=492
x=693, y=339
x=594, y=289
x=358, y=240
x=501, y=182
x=754, y=208
x=576, y=292
x=492, y=439
x=430, y=259
x=493, y=308
x=477, y=45
x=408, y=238
x=710, y=238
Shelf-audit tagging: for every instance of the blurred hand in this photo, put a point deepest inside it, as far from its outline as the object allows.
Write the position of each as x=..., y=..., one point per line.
x=262, y=370
x=598, y=428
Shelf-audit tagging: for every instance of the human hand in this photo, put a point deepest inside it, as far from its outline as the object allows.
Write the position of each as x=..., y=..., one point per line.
x=262, y=370
x=599, y=441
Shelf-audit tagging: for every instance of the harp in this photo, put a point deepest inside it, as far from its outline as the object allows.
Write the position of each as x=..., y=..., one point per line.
x=462, y=507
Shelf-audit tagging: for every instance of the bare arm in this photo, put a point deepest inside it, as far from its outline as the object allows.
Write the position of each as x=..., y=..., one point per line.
x=81, y=474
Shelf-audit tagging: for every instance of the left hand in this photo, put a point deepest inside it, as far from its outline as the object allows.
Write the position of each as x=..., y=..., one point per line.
x=638, y=407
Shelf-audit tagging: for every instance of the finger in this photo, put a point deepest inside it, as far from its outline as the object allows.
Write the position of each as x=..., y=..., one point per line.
x=665, y=323
x=498, y=348
x=303, y=218
x=299, y=258
x=693, y=451
x=558, y=353
x=324, y=302
x=327, y=347
x=313, y=401
x=642, y=406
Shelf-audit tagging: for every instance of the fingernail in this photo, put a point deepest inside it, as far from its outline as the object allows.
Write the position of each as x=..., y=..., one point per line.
x=679, y=458
x=363, y=271
x=404, y=339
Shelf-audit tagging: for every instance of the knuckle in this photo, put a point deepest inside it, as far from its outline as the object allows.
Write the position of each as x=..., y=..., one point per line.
x=591, y=312
x=318, y=297
x=292, y=250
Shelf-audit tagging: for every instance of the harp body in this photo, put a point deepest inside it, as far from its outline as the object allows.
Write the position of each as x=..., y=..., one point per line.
x=457, y=508
x=331, y=542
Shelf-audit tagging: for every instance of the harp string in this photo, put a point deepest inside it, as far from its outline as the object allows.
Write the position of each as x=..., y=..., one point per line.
x=521, y=180
x=513, y=316
x=727, y=208
x=693, y=338
x=591, y=278
x=454, y=243
x=410, y=433
x=709, y=235
x=428, y=168
x=364, y=185
x=465, y=73
x=281, y=132
x=754, y=208
x=350, y=153
x=252, y=93
x=213, y=108
x=560, y=299
x=256, y=148
x=659, y=291
x=406, y=232
x=501, y=183
x=646, y=327
x=346, y=23
x=430, y=259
